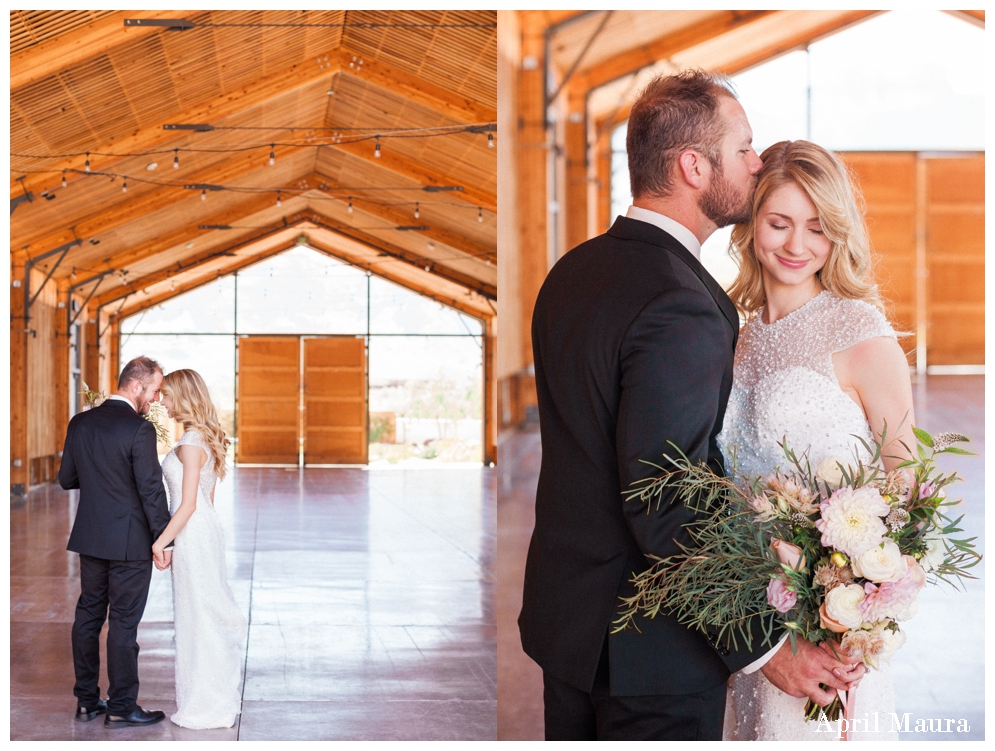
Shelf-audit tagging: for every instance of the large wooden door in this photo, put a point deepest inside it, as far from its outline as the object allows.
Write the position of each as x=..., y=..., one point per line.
x=269, y=389
x=335, y=424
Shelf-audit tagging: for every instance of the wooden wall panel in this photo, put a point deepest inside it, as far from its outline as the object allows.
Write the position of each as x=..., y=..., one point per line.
x=510, y=354
x=955, y=260
x=268, y=399
x=888, y=183
x=19, y=457
x=335, y=424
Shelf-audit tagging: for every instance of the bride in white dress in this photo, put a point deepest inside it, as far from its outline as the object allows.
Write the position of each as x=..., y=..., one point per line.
x=210, y=629
x=818, y=364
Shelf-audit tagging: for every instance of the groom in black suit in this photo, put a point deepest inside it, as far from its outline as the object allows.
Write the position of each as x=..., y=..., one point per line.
x=633, y=343
x=110, y=455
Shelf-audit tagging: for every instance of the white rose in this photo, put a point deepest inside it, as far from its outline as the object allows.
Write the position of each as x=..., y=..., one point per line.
x=829, y=470
x=936, y=551
x=843, y=605
x=882, y=563
x=890, y=641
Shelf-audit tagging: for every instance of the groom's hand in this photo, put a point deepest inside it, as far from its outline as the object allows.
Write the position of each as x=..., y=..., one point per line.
x=799, y=674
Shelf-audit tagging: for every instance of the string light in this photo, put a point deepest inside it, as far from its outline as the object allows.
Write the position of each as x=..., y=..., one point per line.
x=63, y=178
x=490, y=140
x=272, y=154
x=376, y=152
x=350, y=205
x=203, y=195
x=480, y=214
x=87, y=166
x=279, y=201
x=417, y=212
x=176, y=158
x=124, y=187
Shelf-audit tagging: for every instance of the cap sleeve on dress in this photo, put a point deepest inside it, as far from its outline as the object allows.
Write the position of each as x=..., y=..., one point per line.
x=856, y=322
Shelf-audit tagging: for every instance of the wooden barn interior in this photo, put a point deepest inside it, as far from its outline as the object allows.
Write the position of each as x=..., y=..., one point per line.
x=160, y=158
x=566, y=81
x=156, y=151
x=566, y=78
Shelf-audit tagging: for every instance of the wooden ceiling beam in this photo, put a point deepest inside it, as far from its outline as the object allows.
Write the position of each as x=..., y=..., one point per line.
x=96, y=38
x=181, y=267
x=413, y=259
x=795, y=41
x=418, y=172
x=320, y=238
x=245, y=97
x=402, y=218
x=444, y=101
x=269, y=250
x=718, y=23
x=138, y=206
x=185, y=234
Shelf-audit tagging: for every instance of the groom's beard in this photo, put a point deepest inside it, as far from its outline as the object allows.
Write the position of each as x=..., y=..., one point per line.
x=723, y=204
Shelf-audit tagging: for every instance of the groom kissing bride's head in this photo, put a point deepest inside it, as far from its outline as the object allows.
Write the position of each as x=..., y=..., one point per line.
x=688, y=135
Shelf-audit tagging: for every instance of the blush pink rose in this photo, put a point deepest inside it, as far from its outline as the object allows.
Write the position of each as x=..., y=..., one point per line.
x=788, y=553
x=780, y=597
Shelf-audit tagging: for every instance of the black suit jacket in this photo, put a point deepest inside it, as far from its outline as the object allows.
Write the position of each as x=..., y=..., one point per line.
x=633, y=343
x=110, y=455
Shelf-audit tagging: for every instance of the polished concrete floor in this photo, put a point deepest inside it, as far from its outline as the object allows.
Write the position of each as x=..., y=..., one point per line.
x=940, y=671
x=369, y=596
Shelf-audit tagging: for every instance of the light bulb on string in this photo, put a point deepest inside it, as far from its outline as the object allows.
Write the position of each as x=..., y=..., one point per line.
x=63, y=178
x=279, y=201
x=490, y=140
x=349, y=209
x=124, y=187
x=86, y=167
x=417, y=212
x=272, y=154
x=203, y=195
x=480, y=214
x=376, y=152
x=176, y=158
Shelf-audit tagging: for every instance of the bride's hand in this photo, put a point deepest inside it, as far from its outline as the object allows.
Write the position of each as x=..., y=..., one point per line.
x=158, y=556
x=852, y=669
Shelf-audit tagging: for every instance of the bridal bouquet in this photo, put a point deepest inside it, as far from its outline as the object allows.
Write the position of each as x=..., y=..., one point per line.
x=836, y=553
x=156, y=415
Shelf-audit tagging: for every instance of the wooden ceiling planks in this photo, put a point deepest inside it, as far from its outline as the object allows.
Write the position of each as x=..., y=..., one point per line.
x=118, y=98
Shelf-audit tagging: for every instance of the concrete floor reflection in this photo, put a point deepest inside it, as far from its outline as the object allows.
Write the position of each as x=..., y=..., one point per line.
x=939, y=672
x=369, y=599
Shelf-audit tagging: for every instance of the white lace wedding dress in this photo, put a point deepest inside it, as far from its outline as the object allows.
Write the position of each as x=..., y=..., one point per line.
x=784, y=386
x=210, y=629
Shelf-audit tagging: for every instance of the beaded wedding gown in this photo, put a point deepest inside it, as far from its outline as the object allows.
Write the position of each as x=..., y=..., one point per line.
x=210, y=629
x=784, y=386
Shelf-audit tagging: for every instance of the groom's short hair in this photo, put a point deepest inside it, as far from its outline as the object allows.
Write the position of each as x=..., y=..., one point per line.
x=673, y=114
x=141, y=369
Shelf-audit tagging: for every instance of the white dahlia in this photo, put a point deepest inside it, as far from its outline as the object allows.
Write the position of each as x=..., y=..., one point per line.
x=843, y=605
x=850, y=520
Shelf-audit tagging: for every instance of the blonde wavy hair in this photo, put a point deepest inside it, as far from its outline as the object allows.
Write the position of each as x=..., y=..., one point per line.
x=193, y=408
x=827, y=182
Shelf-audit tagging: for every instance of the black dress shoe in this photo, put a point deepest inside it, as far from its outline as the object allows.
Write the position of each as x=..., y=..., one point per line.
x=137, y=716
x=85, y=714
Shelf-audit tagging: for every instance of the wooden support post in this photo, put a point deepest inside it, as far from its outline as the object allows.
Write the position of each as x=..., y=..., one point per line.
x=60, y=360
x=533, y=193
x=575, y=196
x=602, y=166
x=19, y=459
x=490, y=392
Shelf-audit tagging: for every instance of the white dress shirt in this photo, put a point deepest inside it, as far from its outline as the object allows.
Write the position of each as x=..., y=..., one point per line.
x=686, y=238
x=679, y=232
